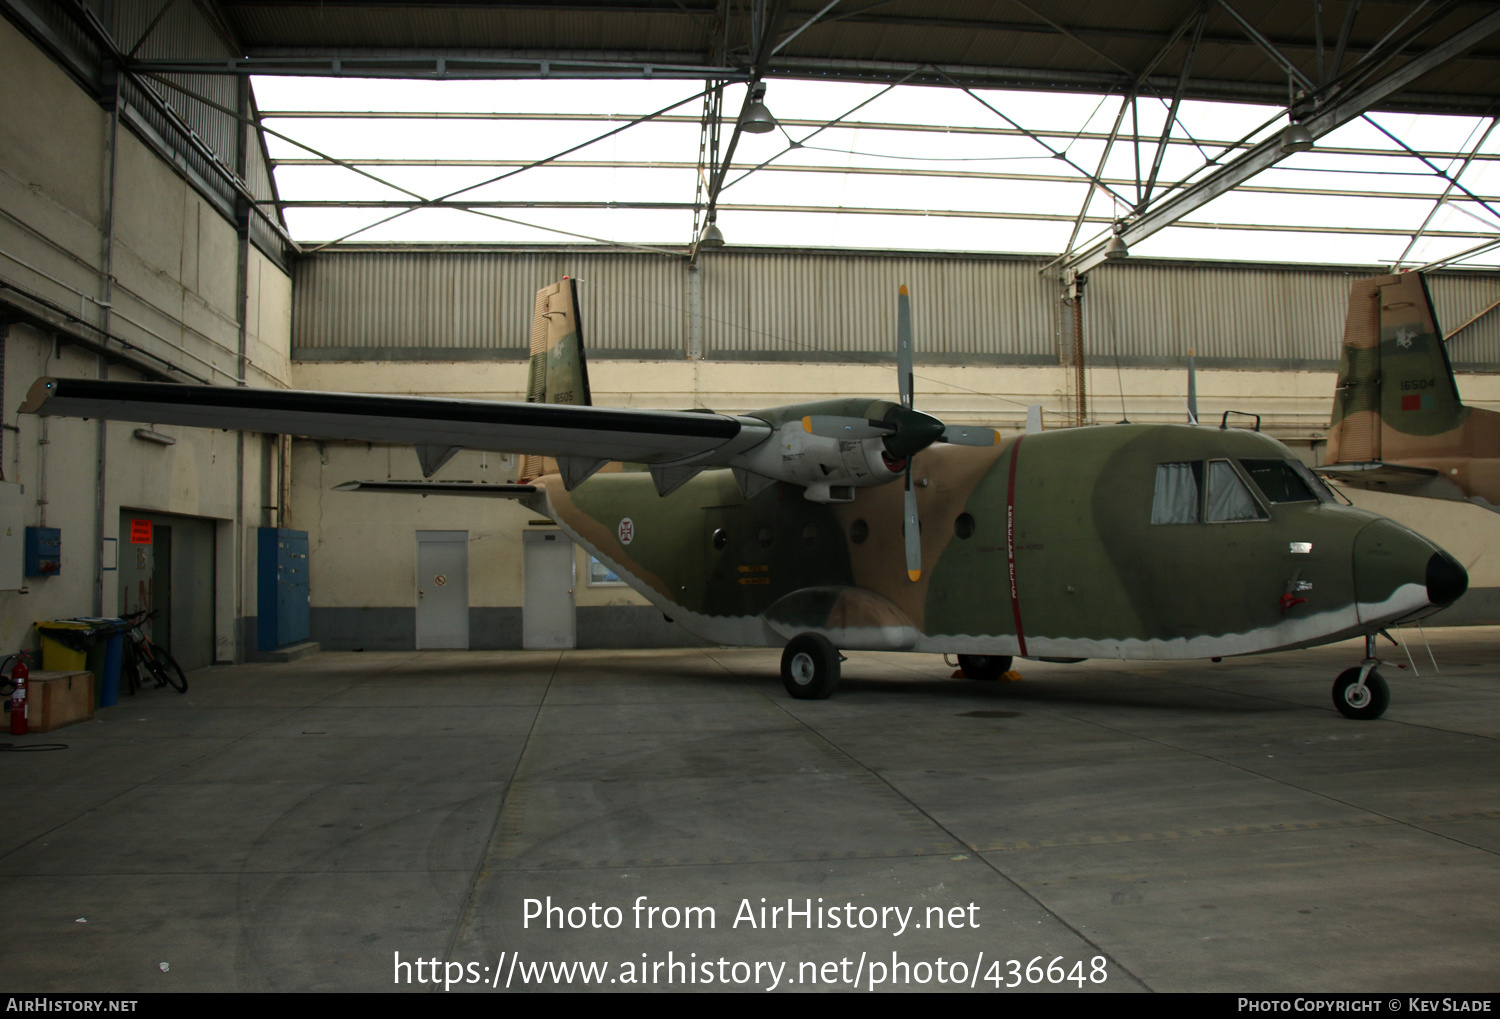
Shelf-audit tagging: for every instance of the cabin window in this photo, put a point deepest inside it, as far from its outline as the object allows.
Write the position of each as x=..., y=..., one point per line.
x=1229, y=498
x=1278, y=481
x=859, y=531
x=721, y=538
x=964, y=526
x=764, y=537
x=1176, y=500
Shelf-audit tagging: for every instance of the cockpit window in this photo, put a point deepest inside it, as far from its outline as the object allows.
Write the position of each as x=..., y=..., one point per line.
x=1278, y=481
x=1228, y=497
x=1320, y=490
x=1176, y=500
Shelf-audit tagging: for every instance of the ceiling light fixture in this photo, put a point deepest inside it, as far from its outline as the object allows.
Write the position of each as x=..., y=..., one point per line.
x=758, y=119
x=1295, y=138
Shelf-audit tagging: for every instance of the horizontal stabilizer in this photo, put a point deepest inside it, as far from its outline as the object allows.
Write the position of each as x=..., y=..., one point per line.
x=1376, y=471
x=1379, y=476
x=440, y=488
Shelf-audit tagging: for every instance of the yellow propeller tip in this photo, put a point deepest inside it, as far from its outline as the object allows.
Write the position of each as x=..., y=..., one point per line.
x=807, y=424
x=915, y=575
x=904, y=292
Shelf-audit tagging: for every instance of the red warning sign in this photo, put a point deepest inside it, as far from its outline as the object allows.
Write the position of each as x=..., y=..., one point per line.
x=140, y=532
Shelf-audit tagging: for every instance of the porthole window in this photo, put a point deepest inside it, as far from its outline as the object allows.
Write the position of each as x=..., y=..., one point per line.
x=964, y=526
x=720, y=538
x=764, y=537
x=858, y=532
x=809, y=534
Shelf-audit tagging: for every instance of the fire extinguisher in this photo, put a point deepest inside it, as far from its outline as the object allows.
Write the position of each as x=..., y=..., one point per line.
x=18, y=676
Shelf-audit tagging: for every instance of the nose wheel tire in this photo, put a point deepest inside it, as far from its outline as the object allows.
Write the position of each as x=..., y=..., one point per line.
x=810, y=667
x=1361, y=702
x=986, y=667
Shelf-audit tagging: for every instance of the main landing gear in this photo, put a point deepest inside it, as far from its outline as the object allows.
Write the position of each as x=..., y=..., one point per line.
x=986, y=667
x=1362, y=693
x=810, y=667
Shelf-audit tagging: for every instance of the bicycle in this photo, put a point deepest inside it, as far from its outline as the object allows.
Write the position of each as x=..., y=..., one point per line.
x=140, y=654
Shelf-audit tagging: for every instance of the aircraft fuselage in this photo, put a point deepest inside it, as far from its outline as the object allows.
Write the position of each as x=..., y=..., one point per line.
x=1127, y=541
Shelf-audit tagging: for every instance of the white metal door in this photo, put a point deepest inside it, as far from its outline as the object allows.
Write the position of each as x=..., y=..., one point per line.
x=547, y=619
x=442, y=589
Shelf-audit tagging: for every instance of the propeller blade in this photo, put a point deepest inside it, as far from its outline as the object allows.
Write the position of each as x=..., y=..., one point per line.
x=832, y=426
x=913, y=531
x=961, y=435
x=903, y=346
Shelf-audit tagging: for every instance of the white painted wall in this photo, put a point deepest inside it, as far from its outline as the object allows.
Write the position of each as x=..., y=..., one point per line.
x=174, y=262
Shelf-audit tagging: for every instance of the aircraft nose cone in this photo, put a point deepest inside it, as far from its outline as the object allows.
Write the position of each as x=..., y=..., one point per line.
x=1398, y=572
x=1447, y=580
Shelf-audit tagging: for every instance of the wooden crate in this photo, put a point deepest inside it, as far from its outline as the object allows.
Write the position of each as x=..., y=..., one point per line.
x=57, y=699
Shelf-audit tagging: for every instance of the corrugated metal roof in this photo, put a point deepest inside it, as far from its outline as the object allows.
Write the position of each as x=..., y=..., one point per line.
x=1061, y=44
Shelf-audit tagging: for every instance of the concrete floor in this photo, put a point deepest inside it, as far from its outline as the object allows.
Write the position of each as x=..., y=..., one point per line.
x=1189, y=826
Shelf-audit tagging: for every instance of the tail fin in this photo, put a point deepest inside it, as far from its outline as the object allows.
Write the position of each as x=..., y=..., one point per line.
x=1395, y=382
x=559, y=373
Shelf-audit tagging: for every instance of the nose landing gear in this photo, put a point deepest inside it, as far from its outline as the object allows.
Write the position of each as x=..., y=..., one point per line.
x=1362, y=693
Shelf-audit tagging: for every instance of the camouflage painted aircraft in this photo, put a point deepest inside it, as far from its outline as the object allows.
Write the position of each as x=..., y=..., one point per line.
x=867, y=524
x=1398, y=423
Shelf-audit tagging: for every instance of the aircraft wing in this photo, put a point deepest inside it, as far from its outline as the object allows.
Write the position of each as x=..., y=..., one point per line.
x=545, y=429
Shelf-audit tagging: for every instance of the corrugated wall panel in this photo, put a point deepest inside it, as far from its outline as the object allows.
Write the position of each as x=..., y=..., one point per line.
x=183, y=31
x=816, y=304
x=1456, y=299
x=1272, y=316
x=430, y=304
x=771, y=305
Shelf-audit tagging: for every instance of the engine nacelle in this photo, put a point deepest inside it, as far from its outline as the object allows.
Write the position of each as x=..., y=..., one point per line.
x=829, y=469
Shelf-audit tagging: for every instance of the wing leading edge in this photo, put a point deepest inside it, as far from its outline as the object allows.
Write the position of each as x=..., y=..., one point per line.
x=557, y=430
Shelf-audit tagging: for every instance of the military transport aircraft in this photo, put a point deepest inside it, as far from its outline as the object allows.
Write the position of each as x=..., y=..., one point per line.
x=1398, y=423
x=868, y=524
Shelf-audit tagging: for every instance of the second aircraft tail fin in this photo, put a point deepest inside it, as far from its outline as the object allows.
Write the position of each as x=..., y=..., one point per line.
x=1395, y=382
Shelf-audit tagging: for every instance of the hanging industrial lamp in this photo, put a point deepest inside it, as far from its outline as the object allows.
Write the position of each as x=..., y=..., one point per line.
x=711, y=237
x=758, y=119
x=1295, y=138
x=1116, y=247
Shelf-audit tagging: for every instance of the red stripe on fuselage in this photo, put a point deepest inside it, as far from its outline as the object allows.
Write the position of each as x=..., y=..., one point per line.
x=1010, y=544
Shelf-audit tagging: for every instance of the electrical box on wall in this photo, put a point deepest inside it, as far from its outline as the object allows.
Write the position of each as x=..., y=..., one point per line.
x=43, y=551
x=12, y=537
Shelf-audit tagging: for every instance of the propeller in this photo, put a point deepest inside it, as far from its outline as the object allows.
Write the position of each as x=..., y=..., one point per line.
x=910, y=525
x=904, y=431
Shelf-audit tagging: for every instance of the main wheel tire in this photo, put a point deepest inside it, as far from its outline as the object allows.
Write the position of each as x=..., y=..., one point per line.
x=165, y=668
x=810, y=667
x=986, y=667
x=1361, y=702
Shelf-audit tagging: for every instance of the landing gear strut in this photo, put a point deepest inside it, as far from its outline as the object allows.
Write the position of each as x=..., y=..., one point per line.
x=1362, y=693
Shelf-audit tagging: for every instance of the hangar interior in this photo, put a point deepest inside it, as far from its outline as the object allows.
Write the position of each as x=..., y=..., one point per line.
x=226, y=192
x=160, y=223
